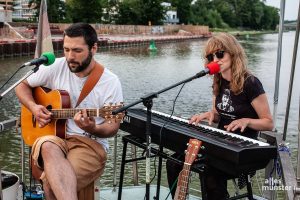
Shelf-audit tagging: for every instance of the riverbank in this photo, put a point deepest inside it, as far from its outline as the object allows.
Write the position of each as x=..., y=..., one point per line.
x=18, y=47
x=241, y=32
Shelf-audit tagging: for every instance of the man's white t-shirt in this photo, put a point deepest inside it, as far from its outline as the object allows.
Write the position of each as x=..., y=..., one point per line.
x=58, y=76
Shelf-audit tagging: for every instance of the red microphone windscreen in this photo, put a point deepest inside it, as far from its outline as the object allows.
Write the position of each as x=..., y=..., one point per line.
x=213, y=68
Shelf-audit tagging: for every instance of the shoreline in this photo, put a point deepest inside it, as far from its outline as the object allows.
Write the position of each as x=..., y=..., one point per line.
x=26, y=47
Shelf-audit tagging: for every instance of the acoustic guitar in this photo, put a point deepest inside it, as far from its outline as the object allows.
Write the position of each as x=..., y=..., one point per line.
x=58, y=103
x=183, y=180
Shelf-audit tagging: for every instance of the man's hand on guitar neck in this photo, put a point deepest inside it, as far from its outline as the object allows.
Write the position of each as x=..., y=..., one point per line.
x=85, y=122
x=41, y=114
x=88, y=124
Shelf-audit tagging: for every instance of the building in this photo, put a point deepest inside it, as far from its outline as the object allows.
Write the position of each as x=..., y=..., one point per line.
x=171, y=14
x=6, y=10
x=22, y=11
x=171, y=17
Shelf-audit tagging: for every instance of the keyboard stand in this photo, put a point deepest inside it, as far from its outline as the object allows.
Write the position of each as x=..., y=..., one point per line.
x=249, y=193
x=140, y=143
x=198, y=168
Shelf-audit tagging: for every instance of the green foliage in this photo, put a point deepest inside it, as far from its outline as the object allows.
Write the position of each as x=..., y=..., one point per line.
x=140, y=12
x=129, y=12
x=251, y=14
x=270, y=19
x=210, y=17
x=56, y=10
x=110, y=11
x=85, y=10
x=245, y=14
x=183, y=10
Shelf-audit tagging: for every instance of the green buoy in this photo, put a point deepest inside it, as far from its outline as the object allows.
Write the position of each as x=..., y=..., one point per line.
x=152, y=46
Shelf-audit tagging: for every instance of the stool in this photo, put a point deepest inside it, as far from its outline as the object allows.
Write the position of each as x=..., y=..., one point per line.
x=87, y=193
x=248, y=194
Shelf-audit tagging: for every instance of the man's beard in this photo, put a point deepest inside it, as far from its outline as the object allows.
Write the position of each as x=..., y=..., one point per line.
x=85, y=63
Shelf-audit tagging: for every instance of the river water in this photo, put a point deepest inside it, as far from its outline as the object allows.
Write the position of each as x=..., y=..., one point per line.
x=142, y=72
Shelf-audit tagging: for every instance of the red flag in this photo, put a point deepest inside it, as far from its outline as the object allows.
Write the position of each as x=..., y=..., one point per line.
x=44, y=40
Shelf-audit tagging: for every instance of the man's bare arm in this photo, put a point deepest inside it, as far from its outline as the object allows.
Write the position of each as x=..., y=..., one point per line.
x=24, y=93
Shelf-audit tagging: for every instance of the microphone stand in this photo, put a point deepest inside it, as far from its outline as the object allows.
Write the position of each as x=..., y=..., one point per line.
x=35, y=69
x=147, y=101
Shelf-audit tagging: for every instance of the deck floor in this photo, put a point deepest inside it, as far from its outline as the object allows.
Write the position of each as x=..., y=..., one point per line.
x=136, y=193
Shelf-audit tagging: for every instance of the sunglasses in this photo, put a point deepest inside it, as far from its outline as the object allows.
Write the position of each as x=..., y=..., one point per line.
x=219, y=54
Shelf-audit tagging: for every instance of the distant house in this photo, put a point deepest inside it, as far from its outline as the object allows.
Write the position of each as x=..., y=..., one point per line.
x=6, y=10
x=22, y=11
x=171, y=14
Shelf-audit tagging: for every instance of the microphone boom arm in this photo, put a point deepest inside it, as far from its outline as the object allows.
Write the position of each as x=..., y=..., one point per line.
x=33, y=70
x=148, y=102
x=155, y=94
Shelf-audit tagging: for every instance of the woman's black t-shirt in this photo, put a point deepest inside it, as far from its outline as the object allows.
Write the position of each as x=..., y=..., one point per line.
x=231, y=107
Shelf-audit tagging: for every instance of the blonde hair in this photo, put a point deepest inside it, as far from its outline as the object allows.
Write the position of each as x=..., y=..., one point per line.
x=228, y=43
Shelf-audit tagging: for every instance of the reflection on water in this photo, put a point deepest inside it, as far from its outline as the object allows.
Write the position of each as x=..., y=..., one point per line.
x=142, y=72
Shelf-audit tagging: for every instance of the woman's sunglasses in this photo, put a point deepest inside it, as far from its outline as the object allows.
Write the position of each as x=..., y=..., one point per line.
x=219, y=54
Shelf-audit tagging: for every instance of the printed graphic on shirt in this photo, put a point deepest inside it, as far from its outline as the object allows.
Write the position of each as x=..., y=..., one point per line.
x=226, y=104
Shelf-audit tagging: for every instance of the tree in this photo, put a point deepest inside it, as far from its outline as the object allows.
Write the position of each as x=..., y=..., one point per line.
x=110, y=11
x=227, y=11
x=85, y=10
x=257, y=14
x=270, y=18
x=183, y=10
x=253, y=14
x=152, y=11
x=56, y=10
x=140, y=12
x=203, y=12
x=129, y=12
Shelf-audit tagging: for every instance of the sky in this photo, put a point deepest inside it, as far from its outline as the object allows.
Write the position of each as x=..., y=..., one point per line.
x=291, y=8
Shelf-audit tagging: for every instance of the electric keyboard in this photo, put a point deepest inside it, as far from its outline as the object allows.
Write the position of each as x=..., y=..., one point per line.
x=226, y=151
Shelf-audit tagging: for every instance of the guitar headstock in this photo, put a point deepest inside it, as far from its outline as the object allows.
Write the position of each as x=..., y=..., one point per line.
x=194, y=146
x=106, y=112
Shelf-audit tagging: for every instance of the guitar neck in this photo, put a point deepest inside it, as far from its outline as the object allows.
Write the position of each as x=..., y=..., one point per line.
x=69, y=113
x=183, y=182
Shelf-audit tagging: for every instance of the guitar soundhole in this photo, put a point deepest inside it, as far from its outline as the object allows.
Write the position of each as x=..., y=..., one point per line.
x=49, y=107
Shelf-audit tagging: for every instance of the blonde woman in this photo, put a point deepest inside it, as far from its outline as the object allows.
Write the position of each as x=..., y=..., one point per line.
x=239, y=105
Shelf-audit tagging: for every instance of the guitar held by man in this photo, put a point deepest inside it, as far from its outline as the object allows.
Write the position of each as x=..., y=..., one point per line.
x=58, y=103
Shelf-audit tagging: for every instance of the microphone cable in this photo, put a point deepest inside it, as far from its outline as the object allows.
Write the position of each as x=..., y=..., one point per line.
x=10, y=78
x=163, y=126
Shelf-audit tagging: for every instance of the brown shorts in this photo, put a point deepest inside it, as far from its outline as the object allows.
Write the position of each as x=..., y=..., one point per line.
x=86, y=156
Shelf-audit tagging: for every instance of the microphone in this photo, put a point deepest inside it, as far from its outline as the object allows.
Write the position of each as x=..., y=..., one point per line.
x=211, y=68
x=46, y=58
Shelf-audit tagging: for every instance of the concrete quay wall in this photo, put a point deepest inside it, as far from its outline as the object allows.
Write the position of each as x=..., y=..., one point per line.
x=14, y=48
x=112, y=29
